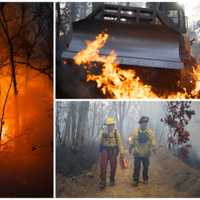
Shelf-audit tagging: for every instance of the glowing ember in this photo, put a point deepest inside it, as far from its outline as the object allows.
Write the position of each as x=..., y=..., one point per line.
x=119, y=83
x=4, y=131
x=178, y=95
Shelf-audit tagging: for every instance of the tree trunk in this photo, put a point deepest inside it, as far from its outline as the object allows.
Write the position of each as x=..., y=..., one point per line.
x=82, y=123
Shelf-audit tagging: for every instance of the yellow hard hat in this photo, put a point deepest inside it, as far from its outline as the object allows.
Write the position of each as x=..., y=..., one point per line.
x=110, y=120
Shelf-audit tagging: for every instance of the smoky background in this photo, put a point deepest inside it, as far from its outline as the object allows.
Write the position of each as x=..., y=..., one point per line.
x=78, y=125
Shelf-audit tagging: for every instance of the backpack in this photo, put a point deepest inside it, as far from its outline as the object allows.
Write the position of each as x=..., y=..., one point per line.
x=143, y=137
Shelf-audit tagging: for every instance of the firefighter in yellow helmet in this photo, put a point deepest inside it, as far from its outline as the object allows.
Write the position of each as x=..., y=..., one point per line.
x=110, y=146
x=142, y=142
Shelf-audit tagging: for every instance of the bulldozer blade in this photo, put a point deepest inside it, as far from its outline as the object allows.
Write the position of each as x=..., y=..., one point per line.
x=136, y=45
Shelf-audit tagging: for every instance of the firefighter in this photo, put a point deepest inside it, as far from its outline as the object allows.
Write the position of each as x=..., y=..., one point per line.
x=142, y=142
x=110, y=146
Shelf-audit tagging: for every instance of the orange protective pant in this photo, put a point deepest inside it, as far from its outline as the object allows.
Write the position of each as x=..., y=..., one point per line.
x=108, y=154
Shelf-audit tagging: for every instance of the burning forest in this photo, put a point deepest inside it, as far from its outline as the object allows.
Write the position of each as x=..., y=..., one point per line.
x=26, y=99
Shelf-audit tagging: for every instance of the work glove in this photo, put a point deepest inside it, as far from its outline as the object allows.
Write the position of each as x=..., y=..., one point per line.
x=122, y=155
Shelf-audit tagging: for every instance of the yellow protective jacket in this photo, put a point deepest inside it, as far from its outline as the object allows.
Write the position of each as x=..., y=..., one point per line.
x=142, y=149
x=112, y=140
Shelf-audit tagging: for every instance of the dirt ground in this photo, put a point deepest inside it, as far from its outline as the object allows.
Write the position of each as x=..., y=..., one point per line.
x=169, y=177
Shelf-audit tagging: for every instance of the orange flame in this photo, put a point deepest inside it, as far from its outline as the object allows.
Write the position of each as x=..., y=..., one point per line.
x=4, y=131
x=119, y=83
x=92, y=50
x=196, y=76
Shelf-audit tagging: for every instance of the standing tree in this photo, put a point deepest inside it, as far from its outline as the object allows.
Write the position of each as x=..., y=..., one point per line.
x=121, y=110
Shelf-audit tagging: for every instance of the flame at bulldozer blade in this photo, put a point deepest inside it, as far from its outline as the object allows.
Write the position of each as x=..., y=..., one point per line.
x=122, y=83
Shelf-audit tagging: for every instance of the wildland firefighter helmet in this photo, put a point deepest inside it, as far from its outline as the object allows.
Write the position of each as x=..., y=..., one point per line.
x=110, y=121
x=144, y=119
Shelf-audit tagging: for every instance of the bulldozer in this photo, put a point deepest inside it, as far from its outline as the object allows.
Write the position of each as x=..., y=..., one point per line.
x=154, y=35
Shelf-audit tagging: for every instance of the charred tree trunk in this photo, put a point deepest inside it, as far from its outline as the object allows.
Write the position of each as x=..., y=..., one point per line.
x=94, y=119
x=3, y=111
x=82, y=124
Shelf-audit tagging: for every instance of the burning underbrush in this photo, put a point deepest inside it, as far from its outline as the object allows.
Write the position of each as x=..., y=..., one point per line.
x=26, y=139
x=116, y=82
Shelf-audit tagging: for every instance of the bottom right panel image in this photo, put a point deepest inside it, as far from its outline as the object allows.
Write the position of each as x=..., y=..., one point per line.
x=127, y=149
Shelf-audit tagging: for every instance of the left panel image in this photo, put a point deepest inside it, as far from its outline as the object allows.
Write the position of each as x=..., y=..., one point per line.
x=26, y=99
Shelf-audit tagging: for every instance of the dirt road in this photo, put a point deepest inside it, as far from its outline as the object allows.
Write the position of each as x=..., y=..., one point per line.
x=169, y=177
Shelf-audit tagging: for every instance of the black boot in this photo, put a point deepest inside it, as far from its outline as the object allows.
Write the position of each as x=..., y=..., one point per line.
x=102, y=185
x=112, y=182
x=135, y=183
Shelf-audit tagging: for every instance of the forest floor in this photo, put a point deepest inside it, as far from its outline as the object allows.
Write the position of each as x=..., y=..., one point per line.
x=169, y=177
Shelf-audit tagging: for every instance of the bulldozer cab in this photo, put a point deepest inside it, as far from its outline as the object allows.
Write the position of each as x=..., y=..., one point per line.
x=151, y=35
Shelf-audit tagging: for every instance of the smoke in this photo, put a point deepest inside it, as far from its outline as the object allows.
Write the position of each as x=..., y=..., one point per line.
x=155, y=110
x=145, y=109
x=194, y=129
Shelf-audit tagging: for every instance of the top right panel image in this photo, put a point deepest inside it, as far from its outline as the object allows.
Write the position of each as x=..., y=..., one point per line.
x=129, y=50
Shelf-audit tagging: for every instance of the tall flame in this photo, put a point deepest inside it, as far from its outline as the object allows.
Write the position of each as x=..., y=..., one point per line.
x=196, y=75
x=122, y=83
